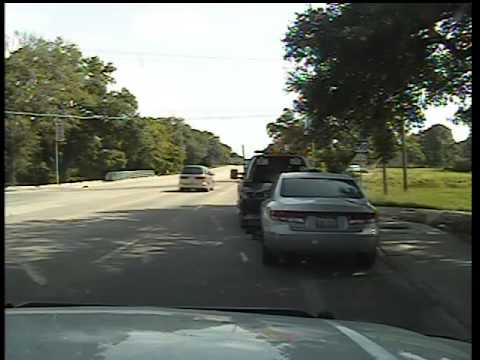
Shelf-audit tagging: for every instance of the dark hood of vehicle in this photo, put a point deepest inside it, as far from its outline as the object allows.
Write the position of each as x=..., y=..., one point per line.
x=156, y=333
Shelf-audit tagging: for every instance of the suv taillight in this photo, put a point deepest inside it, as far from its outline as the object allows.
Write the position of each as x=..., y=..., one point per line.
x=288, y=216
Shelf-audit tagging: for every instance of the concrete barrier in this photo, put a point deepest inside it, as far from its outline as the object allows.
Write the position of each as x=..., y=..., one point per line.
x=121, y=175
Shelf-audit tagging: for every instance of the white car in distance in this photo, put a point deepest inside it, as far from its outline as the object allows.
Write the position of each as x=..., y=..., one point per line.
x=196, y=177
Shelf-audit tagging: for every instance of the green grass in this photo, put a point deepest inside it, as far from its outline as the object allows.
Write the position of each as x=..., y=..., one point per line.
x=428, y=188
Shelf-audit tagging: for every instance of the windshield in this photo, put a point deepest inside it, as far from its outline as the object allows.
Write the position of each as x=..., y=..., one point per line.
x=267, y=169
x=320, y=188
x=192, y=170
x=144, y=145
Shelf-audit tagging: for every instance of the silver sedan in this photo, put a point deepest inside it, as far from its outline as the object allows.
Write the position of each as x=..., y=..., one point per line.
x=318, y=213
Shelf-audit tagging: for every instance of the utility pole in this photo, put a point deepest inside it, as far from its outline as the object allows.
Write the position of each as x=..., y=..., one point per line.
x=404, y=157
x=56, y=152
x=59, y=136
x=313, y=154
x=243, y=151
x=385, y=183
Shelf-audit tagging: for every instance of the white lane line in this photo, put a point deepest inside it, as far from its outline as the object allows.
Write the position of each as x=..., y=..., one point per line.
x=115, y=251
x=313, y=298
x=198, y=208
x=33, y=273
x=244, y=257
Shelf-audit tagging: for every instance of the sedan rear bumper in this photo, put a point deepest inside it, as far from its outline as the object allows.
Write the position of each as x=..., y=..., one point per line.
x=193, y=185
x=310, y=243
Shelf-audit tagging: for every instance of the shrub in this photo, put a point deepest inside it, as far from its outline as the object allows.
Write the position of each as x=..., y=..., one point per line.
x=462, y=165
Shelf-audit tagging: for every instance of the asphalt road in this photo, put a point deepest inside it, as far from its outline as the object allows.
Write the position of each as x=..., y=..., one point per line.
x=141, y=242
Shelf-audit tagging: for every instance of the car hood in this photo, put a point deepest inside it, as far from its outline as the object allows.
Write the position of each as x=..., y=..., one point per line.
x=327, y=205
x=158, y=333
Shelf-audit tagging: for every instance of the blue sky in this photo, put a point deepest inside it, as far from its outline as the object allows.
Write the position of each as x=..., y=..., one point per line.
x=217, y=65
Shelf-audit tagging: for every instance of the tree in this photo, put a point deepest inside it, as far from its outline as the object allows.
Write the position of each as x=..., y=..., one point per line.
x=347, y=81
x=288, y=132
x=53, y=77
x=437, y=144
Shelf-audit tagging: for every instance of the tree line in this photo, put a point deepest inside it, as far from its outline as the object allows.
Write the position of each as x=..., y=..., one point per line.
x=53, y=77
x=365, y=72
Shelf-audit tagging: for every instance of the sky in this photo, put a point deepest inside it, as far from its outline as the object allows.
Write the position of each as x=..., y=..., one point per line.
x=219, y=66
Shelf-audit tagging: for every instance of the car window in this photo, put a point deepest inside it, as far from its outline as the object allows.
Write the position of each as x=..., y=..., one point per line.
x=192, y=170
x=270, y=168
x=318, y=187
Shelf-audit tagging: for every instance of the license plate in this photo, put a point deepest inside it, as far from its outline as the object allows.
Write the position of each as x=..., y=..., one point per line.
x=326, y=223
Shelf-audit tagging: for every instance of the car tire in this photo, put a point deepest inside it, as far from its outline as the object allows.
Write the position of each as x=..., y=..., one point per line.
x=183, y=189
x=268, y=258
x=367, y=260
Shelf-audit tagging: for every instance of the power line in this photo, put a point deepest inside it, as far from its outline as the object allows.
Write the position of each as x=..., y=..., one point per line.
x=125, y=117
x=184, y=56
x=91, y=117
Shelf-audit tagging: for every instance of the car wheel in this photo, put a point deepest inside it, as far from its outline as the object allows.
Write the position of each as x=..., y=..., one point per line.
x=367, y=260
x=206, y=189
x=183, y=189
x=268, y=258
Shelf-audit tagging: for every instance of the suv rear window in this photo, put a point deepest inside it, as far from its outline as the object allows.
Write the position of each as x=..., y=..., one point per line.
x=192, y=170
x=267, y=169
x=321, y=188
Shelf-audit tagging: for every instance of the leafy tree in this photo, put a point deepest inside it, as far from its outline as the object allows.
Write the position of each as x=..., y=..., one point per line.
x=53, y=77
x=437, y=144
x=368, y=68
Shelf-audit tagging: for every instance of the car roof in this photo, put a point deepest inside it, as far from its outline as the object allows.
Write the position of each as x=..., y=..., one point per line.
x=277, y=155
x=315, y=175
x=197, y=166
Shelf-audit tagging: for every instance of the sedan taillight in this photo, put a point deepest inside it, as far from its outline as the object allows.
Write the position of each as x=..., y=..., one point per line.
x=362, y=219
x=287, y=216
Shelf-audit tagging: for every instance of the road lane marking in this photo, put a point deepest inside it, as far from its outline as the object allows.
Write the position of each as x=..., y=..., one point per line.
x=313, y=298
x=115, y=251
x=244, y=257
x=33, y=273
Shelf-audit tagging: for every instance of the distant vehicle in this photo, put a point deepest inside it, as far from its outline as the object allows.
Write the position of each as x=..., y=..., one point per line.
x=131, y=332
x=196, y=177
x=314, y=213
x=262, y=171
x=355, y=168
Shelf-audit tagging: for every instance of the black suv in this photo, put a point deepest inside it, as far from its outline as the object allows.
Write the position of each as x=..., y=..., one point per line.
x=262, y=171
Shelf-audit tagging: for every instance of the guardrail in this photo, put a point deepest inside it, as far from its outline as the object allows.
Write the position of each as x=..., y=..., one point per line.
x=121, y=175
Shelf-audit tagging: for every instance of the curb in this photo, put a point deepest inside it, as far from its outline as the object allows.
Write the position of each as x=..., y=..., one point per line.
x=456, y=222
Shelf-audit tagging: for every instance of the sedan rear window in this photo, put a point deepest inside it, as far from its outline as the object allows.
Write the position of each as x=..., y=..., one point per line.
x=192, y=170
x=322, y=188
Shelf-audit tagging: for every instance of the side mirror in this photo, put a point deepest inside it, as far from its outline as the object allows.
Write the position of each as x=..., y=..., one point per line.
x=234, y=174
